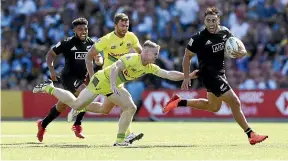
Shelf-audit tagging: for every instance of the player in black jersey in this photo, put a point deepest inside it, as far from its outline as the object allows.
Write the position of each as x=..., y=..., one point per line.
x=73, y=76
x=209, y=45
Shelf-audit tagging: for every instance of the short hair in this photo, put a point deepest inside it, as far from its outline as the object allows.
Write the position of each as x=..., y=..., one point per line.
x=120, y=17
x=150, y=44
x=79, y=21
x=212, y=11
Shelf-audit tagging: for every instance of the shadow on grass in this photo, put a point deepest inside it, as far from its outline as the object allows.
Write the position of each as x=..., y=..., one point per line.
x=43, y=145
x=69, y=145
x=176, y=146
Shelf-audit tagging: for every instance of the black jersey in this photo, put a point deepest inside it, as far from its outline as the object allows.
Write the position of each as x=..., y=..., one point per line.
x=74, y=51
x=210, y=50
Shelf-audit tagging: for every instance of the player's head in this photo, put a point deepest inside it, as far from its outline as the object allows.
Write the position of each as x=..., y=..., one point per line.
x=80, y=28
x=150, y=52
x=121, y=24
x=212, y=19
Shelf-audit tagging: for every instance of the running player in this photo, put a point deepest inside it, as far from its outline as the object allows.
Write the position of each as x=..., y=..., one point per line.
x=74, y=49
x=109, y=82
x=113, y=45
x=209, y=45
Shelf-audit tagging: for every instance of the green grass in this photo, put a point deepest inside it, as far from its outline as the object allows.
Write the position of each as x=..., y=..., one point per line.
x=162, y=141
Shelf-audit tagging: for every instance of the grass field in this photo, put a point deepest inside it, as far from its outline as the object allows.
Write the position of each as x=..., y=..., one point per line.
x=162, y=141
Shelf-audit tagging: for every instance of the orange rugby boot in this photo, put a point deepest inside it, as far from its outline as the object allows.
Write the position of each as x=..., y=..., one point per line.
x=41, y=130
x=256, y=138
x=78, y=131
x=172, y=103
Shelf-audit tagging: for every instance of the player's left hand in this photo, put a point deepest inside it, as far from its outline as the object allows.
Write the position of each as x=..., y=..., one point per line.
x=240, y=53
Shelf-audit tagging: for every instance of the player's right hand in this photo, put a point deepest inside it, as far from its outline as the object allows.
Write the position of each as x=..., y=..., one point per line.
x=185, y=84
x=53, y=74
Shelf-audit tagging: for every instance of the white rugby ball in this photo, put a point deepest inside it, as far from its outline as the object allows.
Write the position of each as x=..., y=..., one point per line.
x=232, y=45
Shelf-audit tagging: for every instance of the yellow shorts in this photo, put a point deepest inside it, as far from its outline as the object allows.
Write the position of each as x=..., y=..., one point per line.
x=99, y=84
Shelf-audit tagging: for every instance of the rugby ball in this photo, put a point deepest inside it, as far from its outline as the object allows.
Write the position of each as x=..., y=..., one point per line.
x=232, y=45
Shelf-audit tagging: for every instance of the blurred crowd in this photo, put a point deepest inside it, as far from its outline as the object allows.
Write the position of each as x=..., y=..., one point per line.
x=29, y=28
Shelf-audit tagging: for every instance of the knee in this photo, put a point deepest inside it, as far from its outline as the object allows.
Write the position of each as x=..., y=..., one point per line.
x=105, y=112
x=215, y=107
x=132, y=109
x=236, y=104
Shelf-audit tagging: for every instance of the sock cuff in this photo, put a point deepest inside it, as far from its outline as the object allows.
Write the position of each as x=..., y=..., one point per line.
x=248, y=130
x=51, y=90
x=182, y=103
x=122, y=136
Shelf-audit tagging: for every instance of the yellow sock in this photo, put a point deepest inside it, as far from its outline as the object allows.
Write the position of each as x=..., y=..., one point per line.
x=83, y=110
x=120, y=138
x=49, y=89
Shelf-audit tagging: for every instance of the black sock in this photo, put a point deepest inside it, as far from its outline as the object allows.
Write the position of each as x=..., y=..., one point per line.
x=51, y=116
x=248, y=132
x=182, y=103
x=79, y=118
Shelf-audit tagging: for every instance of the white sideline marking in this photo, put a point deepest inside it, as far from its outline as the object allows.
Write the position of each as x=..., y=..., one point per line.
x=34, y=135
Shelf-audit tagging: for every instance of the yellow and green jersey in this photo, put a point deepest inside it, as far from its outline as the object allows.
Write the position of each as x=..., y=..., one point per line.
x=113, y=47
x=100, y=82
x=133, y=68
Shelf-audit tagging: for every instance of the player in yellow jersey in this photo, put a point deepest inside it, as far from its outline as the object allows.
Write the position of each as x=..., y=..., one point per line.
x=113, y=45
x=110, y=80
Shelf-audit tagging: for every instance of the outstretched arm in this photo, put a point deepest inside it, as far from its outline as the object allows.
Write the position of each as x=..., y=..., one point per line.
x=175, y=75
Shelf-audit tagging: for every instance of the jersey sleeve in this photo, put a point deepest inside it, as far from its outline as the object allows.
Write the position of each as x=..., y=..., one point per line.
x=153, y=69
x=101, y=44
x=229, y=33
x=192, y=44
x=135, y=40
x=60, y=47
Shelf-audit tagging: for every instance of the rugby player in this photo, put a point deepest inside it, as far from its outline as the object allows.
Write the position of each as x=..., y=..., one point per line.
x=113, y=45
x=74, y=50
x=109, y=82
x=209, y=46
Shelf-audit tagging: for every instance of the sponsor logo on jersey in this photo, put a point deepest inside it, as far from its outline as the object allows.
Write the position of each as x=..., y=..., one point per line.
x=74, y=48
x=113, y=46
x=208, y=42
x=80, y=55
x=218, y=47
x=129, y=45
x=115, y=55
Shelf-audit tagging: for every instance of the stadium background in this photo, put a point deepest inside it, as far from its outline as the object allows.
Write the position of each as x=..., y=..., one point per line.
x=29, y=28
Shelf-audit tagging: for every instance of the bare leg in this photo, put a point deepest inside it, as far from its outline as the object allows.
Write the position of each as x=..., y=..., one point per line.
x=85, y=97
x=212, y=104
x=233, y=101
x=103, y=108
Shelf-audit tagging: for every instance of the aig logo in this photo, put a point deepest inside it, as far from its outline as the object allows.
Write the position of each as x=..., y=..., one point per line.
x=218, y=47
x=80, y=55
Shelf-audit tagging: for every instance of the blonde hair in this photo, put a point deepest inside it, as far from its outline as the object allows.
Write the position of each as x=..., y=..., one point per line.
x=150, y=44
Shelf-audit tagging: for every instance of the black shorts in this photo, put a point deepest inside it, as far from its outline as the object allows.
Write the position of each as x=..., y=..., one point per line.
x=71, y=83
x=217, y=85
